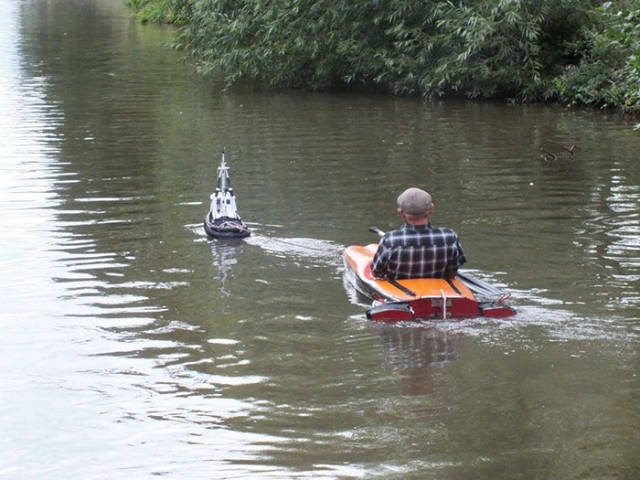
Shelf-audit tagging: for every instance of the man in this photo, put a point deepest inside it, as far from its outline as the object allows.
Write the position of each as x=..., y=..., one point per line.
x=417, y=249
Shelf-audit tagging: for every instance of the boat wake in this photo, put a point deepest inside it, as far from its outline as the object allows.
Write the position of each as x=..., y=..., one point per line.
x=536, y=313
x=325, y=251
x=551, y=317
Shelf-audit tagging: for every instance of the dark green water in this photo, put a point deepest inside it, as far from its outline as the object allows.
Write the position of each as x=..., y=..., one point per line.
x=134, y=347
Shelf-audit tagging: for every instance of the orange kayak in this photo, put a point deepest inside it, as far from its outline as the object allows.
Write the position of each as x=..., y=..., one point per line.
x=421, y=298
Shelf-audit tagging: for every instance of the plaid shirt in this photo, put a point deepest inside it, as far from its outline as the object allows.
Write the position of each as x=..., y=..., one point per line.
x=418, y=251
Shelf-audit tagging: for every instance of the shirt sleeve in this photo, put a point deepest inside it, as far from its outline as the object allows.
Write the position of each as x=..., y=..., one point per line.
x=380, y=259
x=458, y=260
x=461, y=258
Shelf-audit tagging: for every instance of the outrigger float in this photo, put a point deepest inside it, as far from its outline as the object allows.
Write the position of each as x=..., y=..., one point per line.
x=223, y=220
x=421, y=298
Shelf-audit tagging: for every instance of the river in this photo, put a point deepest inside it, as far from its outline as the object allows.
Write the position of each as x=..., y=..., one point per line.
x=134, y=347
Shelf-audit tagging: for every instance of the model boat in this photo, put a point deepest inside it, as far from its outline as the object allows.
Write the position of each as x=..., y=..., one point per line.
x=223, y=219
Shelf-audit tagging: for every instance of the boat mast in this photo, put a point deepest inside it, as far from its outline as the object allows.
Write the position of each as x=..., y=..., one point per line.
x=224, y=181
x=223, y=201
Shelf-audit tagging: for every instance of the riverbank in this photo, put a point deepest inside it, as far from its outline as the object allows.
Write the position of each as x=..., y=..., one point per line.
x=569, y=52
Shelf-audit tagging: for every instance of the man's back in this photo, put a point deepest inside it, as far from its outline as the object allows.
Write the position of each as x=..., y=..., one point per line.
x=418, y=251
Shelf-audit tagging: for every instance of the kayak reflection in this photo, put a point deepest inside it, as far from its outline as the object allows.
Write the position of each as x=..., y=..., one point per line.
x=412, y=353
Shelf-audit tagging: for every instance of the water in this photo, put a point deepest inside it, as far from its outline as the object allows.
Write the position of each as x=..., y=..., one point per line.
x=134, y=347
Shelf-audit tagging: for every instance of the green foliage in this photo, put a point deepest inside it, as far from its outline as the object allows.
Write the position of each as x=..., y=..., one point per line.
x=300, y=43
x=160, y=11
x=609, y=74
x=476, y=48
x=492, y=48
x=574, y=51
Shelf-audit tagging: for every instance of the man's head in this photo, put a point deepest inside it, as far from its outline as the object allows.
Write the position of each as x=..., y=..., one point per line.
x=415, y=204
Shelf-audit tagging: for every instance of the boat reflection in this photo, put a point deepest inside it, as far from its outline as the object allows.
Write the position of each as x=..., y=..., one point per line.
x=224, y=257
x=413, y=352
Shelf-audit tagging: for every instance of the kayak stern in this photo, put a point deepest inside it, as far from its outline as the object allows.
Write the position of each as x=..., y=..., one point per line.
x=414, y=299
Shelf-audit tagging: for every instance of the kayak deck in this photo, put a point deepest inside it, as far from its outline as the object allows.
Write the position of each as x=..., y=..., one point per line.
x=418, y=298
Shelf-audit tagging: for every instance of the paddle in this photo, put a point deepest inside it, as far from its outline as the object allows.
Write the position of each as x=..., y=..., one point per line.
x=474, y=284
x=377, y=230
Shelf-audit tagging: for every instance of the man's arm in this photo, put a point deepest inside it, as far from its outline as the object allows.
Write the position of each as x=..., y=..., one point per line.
x=380, y=259
x=456, y=261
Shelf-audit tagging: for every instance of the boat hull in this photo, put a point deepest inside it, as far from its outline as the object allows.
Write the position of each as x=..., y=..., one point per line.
x=414, y=299
x=225, y=227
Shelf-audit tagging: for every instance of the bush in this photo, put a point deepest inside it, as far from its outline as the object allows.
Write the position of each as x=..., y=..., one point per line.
x=572, y=51
x=161, y=11
x=481, y=48
x=609, y=73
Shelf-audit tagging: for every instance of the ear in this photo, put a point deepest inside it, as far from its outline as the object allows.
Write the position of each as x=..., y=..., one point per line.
x=400, y=213
x=432, y=207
